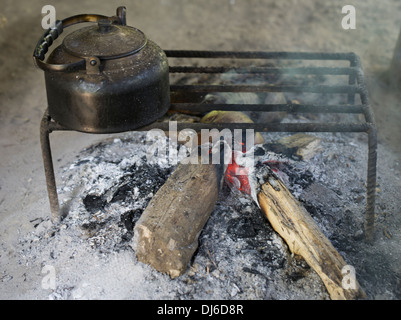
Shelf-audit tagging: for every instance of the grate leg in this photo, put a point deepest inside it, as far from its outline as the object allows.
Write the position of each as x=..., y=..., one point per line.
x=48, y=166
x=371, y=185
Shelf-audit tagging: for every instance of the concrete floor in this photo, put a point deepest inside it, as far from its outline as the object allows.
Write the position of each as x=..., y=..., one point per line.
x=204, y=25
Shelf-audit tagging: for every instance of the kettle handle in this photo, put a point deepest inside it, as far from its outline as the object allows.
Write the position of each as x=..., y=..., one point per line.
x=54, y=32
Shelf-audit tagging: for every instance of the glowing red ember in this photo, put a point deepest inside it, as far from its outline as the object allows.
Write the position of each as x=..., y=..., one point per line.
x=237, y=176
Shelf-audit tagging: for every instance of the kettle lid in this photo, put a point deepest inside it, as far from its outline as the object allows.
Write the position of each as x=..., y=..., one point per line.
x=105, y=41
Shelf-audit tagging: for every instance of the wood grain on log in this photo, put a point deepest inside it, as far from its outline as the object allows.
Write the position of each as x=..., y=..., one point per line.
x=303, y=237
x=166, y=235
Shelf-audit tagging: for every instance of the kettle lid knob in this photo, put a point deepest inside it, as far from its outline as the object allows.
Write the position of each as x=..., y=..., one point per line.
x=105, y=25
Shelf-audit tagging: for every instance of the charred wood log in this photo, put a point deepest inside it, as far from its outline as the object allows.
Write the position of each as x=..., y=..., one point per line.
x=166, y=235
x=303, y=237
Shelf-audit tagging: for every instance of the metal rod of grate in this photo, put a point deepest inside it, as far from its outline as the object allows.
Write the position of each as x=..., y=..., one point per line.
x=355, y=86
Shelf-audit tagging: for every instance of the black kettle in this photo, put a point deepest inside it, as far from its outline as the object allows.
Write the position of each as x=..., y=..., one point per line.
x=104, y=78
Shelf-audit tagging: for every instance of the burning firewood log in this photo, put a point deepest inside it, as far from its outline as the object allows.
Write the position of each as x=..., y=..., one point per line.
x=166, y=235
x=303, y=237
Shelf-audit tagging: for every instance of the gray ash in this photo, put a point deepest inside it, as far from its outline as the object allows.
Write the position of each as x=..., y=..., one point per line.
x=113, y=190
x=93, y=203
x=239, y=256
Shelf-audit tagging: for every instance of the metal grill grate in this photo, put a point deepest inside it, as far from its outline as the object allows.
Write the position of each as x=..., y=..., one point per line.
x=353, y=86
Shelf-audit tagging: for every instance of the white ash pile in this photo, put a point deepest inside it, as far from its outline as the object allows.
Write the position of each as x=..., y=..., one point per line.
x=112, y=182
x=239, y=256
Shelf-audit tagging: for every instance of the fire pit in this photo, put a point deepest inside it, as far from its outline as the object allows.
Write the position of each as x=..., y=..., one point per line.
x=108, y=98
